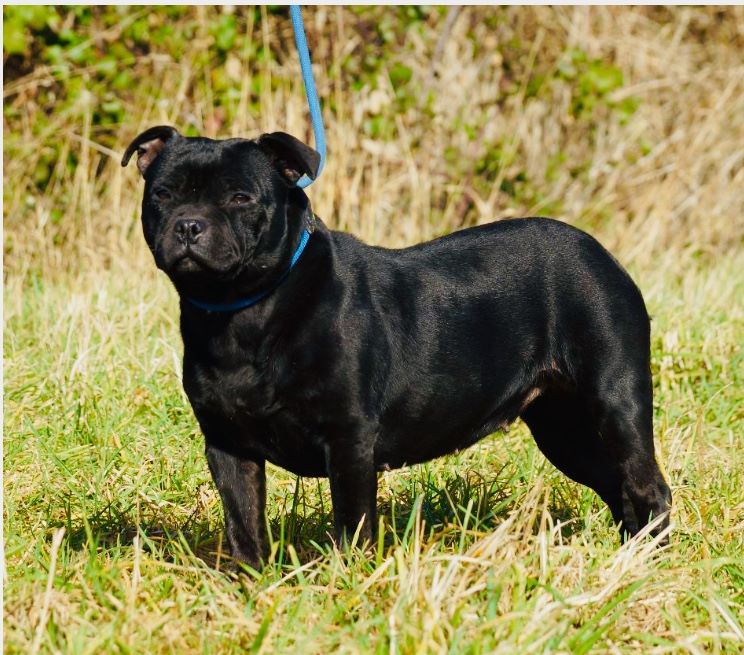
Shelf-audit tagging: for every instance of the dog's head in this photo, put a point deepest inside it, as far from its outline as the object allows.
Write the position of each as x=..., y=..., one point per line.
x=219, y=213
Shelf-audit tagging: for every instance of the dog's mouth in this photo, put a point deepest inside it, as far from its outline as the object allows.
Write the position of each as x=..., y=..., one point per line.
x=189, y=261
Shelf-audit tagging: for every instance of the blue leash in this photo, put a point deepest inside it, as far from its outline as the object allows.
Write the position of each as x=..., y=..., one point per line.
x=317, y=120
x=312, y=95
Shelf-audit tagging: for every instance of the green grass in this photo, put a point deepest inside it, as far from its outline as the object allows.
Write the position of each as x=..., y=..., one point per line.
x=492, y=550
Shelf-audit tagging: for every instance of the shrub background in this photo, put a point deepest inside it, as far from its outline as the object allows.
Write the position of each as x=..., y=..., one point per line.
x=627, y=122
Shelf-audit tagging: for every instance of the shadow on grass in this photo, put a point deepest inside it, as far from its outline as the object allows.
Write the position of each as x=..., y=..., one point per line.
x=448, y=505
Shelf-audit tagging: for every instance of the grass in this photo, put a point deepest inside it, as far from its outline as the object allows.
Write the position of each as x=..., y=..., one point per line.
x=111, y=523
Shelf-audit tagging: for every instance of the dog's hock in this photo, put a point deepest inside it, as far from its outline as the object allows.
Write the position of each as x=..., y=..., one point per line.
x=289, y=156
x=148, y=145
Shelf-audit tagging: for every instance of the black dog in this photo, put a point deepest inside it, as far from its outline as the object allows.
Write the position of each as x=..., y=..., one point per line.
x=362, y=358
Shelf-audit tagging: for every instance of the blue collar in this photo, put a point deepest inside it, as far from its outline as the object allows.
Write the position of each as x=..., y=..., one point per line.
x=252, y=300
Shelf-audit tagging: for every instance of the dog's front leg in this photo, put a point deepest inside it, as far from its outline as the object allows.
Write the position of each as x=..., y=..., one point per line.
x=241, y=482
x=351, y=471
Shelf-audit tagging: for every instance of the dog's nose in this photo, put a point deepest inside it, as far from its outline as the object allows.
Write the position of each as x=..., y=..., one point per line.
x=188, y=229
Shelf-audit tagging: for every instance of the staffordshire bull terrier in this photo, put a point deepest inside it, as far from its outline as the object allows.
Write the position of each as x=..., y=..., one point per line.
x=309, y=349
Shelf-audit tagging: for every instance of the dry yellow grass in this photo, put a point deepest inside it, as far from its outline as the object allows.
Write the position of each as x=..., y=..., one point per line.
x=671, y=177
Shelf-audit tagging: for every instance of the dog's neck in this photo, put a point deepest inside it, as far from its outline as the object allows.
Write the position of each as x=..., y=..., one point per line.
x=241, y=337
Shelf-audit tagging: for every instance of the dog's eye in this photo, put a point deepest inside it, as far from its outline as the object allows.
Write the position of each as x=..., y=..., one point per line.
x=162, y=194
x=241, y=199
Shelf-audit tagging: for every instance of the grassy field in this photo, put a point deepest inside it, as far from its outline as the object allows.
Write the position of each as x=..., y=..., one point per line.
x=626, y=122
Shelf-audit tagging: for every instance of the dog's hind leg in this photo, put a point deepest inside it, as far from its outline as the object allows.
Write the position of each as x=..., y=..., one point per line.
x=625, y=423
x=608, y=448
x=566, y=434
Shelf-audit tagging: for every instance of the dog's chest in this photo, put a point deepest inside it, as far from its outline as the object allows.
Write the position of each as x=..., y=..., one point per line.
x=251, y=407
x=231, y=392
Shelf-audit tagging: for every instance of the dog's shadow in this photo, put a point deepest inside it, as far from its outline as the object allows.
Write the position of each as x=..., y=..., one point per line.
x=301, y=523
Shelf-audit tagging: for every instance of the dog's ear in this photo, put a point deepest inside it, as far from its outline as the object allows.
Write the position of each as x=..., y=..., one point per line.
x=148, y=145
x=289, y=156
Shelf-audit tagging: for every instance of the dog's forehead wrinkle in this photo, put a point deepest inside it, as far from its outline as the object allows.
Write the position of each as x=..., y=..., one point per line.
x=198, y=164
